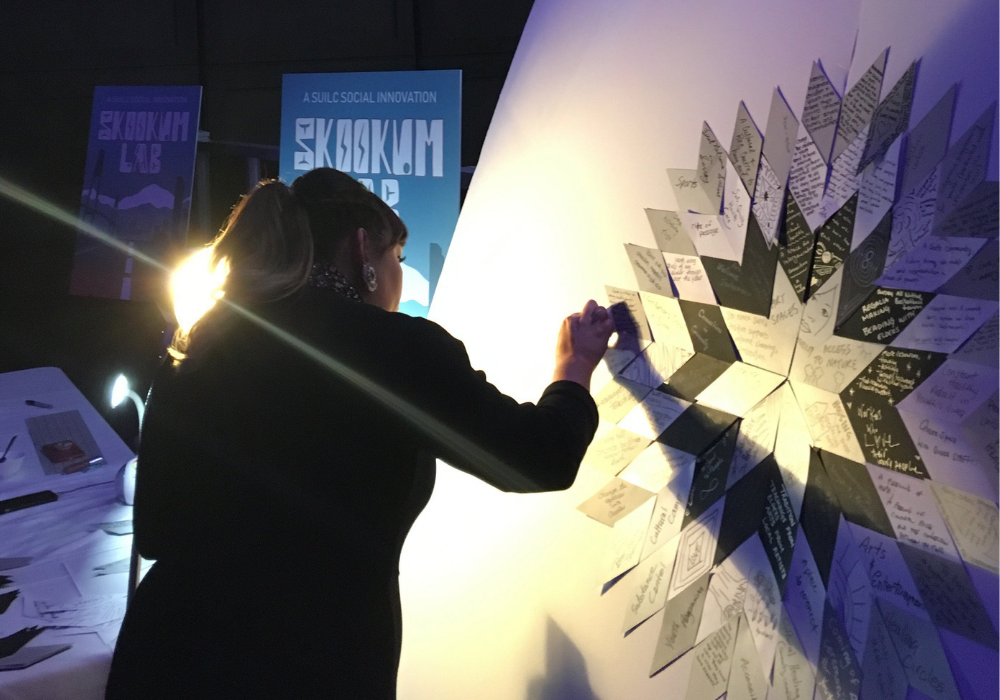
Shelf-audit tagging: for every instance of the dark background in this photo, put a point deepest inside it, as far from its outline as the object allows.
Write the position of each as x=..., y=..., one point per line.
x=54, y=52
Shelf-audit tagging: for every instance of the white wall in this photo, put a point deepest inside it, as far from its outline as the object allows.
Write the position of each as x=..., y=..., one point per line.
x=501, y=593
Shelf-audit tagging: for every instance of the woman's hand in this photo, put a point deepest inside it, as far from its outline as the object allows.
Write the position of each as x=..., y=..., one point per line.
x=583, y=340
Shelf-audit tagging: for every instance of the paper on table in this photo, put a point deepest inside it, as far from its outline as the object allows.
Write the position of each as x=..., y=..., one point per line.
x=689, y=276
x=822, y=108
x=807, y=179
x=887, y=571
x=740, y=388
x=912, y=219
x=651, y=580
x=977, y=216
x=980, y=278
x=710, y=236
x=779, y=137
x=931, y=263
x=57, y=427
x=659, y=465
x=927, y=142
x=690, y=195
x=767, y=201
x=952, y=392
x=83, y=612
x=913, y=512
x=891, y=117
x=859, y=105
x=650, y=270
x=745, y=147
x=681, y=619
x=629, y=318
x=656, y=412
x=669, y=232
x=756, y=438
x=876, y=195
x=827, y=421
x=949, y=595
x=769, y=342
x=746, y=680
x=964, y=166
x=713, y=660
x=696, y=552
x=613, y=502
x=711, y=168
x=668, y=326
x=919, y=648
x=793, y=676
x=837, y=674
x=612, y=452
x=668, y=513
x=945, y=323
x=882, y=673
x=804, y=599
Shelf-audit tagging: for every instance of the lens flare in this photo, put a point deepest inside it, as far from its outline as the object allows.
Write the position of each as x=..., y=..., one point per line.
x=195, y=287
x=200, y=277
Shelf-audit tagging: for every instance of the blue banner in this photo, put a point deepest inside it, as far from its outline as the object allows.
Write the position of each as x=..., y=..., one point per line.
x=136, y=187
x=399, y=133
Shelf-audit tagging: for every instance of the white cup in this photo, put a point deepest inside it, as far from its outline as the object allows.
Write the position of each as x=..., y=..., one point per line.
x=12, y=465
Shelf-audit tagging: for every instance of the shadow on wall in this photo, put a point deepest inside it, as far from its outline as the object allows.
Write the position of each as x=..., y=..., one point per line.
x=566, y=671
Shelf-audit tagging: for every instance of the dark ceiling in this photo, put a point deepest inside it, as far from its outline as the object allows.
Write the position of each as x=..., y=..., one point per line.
x=54, y=52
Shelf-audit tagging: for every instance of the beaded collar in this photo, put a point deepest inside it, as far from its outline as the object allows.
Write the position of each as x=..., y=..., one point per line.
x=325, y=275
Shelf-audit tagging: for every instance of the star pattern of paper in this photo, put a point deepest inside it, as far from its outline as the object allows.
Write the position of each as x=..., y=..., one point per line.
x=813, y=388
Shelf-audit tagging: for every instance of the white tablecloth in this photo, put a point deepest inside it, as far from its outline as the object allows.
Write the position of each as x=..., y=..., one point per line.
x=78, y=567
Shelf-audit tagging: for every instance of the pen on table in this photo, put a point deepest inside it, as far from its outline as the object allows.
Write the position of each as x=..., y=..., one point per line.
x=38, y=404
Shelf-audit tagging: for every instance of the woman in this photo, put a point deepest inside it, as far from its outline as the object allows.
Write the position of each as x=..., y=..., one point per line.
x=290, y=442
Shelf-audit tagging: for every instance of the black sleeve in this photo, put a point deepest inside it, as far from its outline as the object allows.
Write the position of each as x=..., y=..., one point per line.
x=470, y=424
x=159, y=482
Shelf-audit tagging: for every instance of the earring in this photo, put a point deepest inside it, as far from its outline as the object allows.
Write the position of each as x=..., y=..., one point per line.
x=368, y=275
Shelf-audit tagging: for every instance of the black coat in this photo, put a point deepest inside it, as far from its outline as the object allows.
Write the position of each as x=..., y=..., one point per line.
x=279, y=472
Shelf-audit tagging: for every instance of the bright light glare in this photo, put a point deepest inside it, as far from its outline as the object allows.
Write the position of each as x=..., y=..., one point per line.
x=492, y=466
x=119, y=391
x=195, y=287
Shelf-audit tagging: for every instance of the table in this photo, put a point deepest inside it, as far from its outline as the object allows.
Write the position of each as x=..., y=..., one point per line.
x=68, y=559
